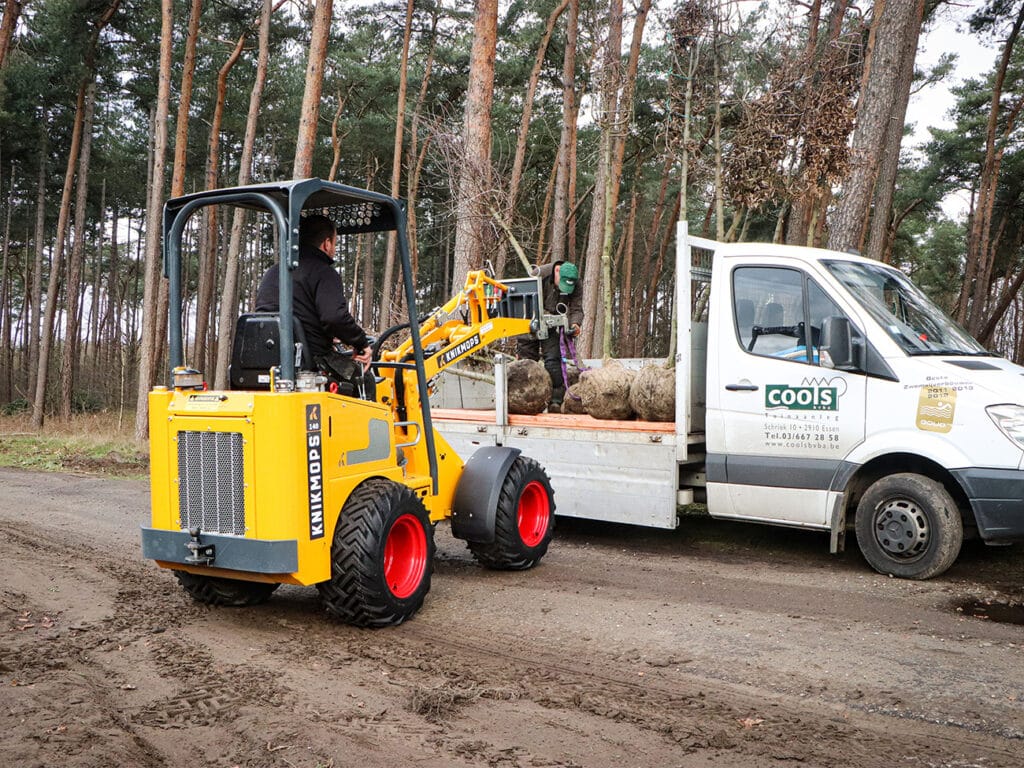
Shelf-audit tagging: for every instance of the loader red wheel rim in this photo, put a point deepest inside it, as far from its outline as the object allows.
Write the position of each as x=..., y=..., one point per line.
x=534, y=513
x=405, y=556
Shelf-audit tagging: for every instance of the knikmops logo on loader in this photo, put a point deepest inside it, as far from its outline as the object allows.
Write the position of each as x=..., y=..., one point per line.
x=315, y=471
x=801, y=398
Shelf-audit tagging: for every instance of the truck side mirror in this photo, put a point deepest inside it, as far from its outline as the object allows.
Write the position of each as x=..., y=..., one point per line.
x=837, y=343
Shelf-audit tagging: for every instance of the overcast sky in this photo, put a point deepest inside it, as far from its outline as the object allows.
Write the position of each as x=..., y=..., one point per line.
x=930, y=107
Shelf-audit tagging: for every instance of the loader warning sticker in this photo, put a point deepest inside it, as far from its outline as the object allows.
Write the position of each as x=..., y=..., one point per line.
x=315, y=471
x=936, y=407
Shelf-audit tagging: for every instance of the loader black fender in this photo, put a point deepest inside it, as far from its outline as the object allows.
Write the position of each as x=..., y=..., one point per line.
x=475, y=504
x=524, y=521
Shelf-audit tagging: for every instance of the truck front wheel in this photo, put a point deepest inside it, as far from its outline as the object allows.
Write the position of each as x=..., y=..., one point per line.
x=524, y=519
x=909, y=526
x=382, y=556
x=233, y=593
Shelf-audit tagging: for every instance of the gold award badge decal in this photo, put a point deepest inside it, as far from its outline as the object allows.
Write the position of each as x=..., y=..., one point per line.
x=935, y=409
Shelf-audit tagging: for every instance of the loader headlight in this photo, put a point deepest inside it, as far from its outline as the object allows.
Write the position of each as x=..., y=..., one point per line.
x=1010, y=420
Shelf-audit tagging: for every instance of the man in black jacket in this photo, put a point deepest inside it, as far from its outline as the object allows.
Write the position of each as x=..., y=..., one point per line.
x=560, y=296
x=318, y=298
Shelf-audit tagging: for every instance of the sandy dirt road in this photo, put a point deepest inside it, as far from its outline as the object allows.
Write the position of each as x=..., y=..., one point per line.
x=715, y=645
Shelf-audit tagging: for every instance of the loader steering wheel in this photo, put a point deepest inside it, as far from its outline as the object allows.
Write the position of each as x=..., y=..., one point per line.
x=376, y=344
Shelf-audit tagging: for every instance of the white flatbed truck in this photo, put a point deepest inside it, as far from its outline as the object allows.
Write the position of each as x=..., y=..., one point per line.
x=814, y=389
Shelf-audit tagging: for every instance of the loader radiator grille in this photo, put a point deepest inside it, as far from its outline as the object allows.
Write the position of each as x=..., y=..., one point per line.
x=211, y=487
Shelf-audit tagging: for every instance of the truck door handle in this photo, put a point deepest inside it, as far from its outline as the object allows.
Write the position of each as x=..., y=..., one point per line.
x=741, y=387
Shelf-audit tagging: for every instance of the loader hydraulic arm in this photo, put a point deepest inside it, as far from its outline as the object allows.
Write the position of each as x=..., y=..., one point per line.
x=480, y=314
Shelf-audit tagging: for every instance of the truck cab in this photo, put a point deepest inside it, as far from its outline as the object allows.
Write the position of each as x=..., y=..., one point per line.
x=836, y=389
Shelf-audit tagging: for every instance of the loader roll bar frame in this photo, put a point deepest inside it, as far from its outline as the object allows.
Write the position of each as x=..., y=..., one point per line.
x=285, y=201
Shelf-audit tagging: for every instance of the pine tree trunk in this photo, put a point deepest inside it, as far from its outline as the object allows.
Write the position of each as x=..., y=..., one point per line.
x=229, y=296
x=594, y=288
x=891, y=29
x=388, y=308
x=92, y=348
x=12, y=10
x=37, y=267
x=208, y=255
x=106, y=339
x=152, y=281
x=623, y=118
x=336, y=138
x=628, y=335
x=980, y=249
x=76, y=262
x=881, y=217
x=416, y=155
x=57, y=263
x=6, y=316
x=304, y=148
x=717, y=67
x=472, y=213
x=560, y=207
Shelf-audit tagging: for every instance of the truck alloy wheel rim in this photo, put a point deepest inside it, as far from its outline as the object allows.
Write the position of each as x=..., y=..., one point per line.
x=901, y=528
x=533, y=514
x=405, y=556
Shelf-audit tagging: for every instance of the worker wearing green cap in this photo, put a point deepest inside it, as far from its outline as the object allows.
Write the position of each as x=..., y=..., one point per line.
x=562, y=296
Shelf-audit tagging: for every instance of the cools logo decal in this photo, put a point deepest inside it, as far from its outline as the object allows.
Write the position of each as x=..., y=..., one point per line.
x=315, y=472
x=458, y=350
x=812, y=398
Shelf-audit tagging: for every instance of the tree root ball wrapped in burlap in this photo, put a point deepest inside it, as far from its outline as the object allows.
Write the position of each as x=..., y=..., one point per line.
x=573, y=402
x=653, y=393
x=529, y=387
x=605, y=391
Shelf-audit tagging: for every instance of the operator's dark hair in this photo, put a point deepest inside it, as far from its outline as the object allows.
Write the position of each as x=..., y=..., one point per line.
x=314, y=229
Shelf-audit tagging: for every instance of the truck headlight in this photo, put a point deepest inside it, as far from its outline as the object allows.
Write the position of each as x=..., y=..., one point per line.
x=1010, y=420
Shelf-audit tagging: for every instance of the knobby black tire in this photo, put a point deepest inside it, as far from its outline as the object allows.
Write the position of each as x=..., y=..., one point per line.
x=357, y=591
x=508, y=551
x=233, y=593
x=940, y=513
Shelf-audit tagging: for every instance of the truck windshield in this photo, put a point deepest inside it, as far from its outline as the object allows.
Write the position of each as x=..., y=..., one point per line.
x=907, y=315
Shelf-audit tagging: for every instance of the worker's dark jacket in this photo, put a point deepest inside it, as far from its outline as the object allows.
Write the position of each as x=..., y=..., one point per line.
x=318, y=301
x=553, y=298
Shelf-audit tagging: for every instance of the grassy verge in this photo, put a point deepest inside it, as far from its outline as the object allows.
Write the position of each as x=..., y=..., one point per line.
x=90, y=443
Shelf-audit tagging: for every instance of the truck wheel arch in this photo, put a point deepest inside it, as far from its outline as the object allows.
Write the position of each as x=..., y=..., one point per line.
x=897, y=463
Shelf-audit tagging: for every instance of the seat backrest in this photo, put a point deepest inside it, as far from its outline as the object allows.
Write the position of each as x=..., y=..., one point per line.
x=773, y=315
x=744, y=319
x=257, y=349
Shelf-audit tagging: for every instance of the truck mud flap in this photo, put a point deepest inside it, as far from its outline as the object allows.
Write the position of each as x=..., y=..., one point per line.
x=476, y=496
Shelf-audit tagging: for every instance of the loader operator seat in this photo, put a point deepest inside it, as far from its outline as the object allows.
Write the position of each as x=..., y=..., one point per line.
x=257, y=349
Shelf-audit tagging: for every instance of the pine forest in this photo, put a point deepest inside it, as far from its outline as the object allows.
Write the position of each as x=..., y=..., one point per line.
x=520, y=132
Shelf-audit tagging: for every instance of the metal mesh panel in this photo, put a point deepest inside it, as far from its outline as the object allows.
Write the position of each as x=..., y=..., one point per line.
x=357, y=217
x=211, y=488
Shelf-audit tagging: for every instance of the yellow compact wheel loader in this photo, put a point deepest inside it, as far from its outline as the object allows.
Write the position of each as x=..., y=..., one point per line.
x=295, y=475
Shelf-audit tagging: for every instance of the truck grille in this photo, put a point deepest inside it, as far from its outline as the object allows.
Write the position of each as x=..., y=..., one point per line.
x=211, y=485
